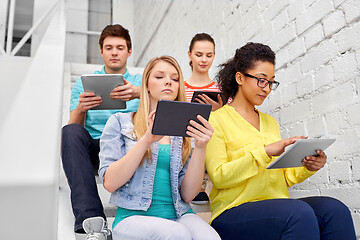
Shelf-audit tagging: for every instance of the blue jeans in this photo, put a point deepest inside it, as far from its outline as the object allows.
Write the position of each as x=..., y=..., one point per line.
x=188, y=227
x=80, y=158
x=306, y=218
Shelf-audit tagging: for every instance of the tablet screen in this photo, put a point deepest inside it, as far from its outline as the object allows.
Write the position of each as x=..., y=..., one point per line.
x=172, y=117
x=102, y=85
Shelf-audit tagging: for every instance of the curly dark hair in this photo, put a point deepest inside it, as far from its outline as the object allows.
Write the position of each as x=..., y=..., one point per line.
x=244, y=59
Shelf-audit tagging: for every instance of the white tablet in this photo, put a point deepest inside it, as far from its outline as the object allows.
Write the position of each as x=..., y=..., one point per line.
x=102, y=85
x=296, y=152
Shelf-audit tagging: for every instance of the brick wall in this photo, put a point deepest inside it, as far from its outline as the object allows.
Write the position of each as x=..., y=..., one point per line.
x=318, y=64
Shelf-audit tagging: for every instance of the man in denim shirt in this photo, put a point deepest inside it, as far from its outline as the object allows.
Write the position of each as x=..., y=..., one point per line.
x=80, y=138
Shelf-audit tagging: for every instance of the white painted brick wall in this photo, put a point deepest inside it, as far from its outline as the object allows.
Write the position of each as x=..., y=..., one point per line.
x=339, y=171
x=313, y=14
x=334, y=22
x=345, y=67
x=335, y=122
x=296, y=48
x=296, y=129
x=356, y=169
x=352, y=10
x=316, y=127
x=313, y=36
x=319, y=55
x=353, y=114
x=304, y=86
x=321, y=177
x=347, y=38
x=318, y=65
x=324, y=76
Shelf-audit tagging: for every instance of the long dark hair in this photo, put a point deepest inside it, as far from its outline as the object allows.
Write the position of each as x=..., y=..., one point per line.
x=243, y=60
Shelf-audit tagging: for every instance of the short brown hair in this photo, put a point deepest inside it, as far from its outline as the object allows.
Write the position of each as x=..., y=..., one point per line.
x=115, y=30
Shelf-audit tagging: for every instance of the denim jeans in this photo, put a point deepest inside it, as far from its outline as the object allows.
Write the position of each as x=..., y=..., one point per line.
x=79, y=153
x=187, y=227
x=309, y=218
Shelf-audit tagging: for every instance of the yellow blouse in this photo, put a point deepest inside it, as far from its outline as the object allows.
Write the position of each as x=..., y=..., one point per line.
x=236, y=162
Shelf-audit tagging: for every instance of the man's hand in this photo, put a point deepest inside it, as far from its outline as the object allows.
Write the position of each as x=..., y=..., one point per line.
x=125, y=92
x=88, y=100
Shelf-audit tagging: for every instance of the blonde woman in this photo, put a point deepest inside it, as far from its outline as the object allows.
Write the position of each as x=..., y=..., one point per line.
x=153, y=178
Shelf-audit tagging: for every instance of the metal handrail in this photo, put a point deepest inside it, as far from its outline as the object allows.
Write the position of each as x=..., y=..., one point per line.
x=39, y=98
x=23, y=40
x=10, y=26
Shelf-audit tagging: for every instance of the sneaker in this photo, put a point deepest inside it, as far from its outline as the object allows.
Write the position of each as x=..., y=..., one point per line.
x=96, y=228
x=201, y=199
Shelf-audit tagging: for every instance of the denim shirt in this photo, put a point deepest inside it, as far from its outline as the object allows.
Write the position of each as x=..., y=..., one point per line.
x=116, y=140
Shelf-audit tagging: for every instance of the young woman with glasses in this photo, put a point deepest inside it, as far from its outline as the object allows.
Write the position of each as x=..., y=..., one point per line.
x=249, y=201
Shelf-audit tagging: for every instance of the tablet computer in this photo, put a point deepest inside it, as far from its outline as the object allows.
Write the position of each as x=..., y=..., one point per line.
x=212, y=95
x=172, y=117
x=102, y=85
x=296, y=152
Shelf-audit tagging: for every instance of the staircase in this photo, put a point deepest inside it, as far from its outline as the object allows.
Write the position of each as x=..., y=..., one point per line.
x=72, y=71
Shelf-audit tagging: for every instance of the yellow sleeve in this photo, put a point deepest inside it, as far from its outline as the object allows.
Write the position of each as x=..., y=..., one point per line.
x=297, y=175
x=224, y=173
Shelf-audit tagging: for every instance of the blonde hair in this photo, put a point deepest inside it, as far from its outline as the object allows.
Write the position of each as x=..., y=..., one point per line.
x=140, y=118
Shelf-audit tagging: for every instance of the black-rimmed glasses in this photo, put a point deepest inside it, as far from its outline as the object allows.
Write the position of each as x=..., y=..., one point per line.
x=263, y=82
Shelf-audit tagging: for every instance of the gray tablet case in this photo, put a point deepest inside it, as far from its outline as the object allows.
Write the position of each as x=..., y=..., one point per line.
x=295, y=153
x=102, y=85
x=172, y=117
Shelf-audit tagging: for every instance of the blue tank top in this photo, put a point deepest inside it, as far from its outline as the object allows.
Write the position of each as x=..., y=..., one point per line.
x=161, y=204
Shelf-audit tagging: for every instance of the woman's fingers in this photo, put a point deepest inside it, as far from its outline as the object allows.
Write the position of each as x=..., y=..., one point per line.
x=151, y=117
x=194, y=132
x=207, y=99
x=315, y=163
x=203, y=98
x=204, y=121
x=148, y=135
x=198, y=131
x=292, y=140
x=199, y=100
x=205, y=124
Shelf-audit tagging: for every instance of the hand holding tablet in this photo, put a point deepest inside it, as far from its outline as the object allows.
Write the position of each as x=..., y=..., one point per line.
x=102, y=85
x=295, y=153
x=173, y=117
x=211, y=95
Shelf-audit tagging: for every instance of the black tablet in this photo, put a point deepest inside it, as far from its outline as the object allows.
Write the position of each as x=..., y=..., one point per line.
x=102, y=85
x=294, y=154
x=212, y=95
x=172, y=117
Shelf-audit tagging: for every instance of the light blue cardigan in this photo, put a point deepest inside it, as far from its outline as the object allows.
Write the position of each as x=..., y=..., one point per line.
x=116, y=140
